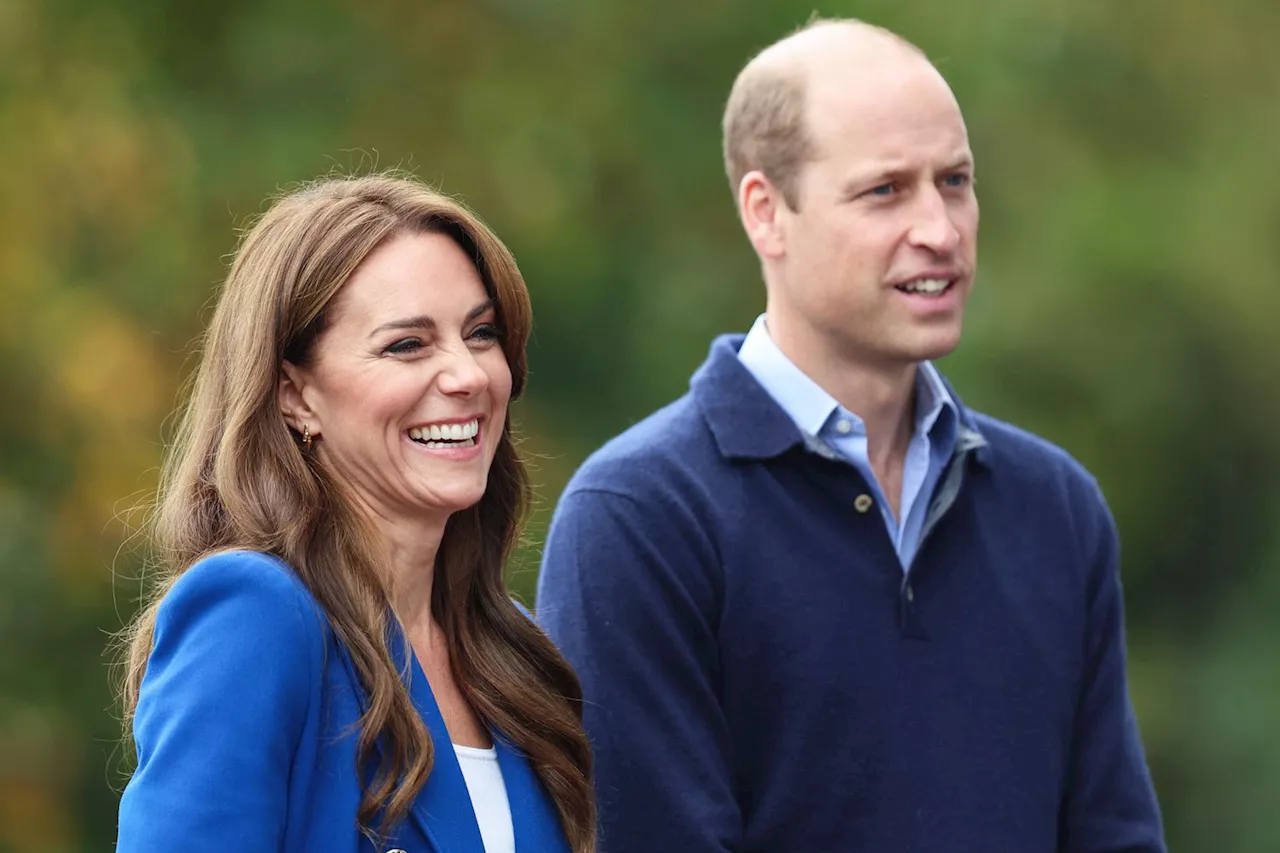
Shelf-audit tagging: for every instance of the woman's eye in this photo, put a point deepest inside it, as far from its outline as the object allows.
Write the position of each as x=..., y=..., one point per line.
x=402, y=347
x=487, y=332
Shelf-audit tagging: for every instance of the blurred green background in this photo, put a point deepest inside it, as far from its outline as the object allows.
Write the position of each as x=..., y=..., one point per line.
x=1126, y=307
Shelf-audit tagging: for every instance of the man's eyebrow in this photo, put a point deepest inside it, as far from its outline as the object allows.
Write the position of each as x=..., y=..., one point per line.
x=890, y=172
x=422, y=321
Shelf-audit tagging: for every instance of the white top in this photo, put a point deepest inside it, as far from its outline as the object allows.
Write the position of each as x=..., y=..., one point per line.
x=488, y=797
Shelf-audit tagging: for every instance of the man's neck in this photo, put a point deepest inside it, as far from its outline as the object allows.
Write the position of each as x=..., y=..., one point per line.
x=881, y=394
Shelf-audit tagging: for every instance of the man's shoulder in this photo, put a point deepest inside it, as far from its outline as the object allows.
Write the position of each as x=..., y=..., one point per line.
x=670, y=445
x=1035, y=460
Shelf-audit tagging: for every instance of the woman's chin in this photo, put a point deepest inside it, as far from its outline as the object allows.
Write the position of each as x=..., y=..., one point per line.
x=447, y=502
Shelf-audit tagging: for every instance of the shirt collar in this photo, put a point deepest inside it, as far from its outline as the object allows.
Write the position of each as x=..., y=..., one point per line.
x=800, y=397
x=936, y=411
x=747, y=423
x=810, y=407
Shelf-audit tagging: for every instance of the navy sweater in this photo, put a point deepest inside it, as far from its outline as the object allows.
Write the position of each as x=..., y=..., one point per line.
x=760, y=675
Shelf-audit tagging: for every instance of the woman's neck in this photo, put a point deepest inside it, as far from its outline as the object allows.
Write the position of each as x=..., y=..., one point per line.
x=410, y=546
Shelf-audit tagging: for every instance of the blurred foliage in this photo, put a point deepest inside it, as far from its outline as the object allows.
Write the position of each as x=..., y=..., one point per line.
x=1127, y=307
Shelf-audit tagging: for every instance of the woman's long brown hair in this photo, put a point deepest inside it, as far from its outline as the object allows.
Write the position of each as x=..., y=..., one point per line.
x=234, y=477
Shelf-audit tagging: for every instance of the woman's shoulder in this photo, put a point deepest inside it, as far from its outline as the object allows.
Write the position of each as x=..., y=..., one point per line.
x=255, y=598
x=233, y=678
x=255, y=573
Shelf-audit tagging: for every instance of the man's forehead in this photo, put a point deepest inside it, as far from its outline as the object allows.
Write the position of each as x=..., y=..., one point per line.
x=876, y=110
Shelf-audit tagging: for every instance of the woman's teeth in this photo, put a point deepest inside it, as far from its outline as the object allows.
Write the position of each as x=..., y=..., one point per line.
x=447, y=435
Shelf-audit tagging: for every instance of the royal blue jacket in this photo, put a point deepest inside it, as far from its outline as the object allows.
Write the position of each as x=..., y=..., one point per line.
x=246, y=732
x=760, y=675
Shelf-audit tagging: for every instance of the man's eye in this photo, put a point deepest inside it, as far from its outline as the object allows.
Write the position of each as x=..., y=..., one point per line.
x=959, y=180
x=407, y=345
x=882, y=190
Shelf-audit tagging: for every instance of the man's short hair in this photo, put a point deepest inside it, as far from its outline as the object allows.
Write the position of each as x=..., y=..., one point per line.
x=764, y=121
x=765, y=129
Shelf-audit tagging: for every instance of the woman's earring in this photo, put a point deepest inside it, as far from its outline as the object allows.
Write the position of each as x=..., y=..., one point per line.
x=306, y=439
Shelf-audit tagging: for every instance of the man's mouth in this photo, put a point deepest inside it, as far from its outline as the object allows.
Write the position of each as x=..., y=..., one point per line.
x=437, y=436
x=931, y=287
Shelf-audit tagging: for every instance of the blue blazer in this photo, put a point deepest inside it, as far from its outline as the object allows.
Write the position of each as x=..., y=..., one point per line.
x=246, y=732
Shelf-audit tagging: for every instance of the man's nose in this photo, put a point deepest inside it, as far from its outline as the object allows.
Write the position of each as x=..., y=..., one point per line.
x=933, y=227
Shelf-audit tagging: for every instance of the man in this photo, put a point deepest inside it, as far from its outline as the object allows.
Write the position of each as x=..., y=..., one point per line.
x=817, y=604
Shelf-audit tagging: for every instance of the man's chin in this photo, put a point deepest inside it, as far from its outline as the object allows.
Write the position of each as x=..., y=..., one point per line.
x=934, y=344
x=935, y=353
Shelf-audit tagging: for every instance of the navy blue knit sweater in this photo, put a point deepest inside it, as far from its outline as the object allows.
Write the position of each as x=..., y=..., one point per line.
x=760, y=675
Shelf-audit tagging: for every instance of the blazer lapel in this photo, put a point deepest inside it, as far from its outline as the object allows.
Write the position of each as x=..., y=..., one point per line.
x=443, y=808
x=534, y=819
x=442, y=813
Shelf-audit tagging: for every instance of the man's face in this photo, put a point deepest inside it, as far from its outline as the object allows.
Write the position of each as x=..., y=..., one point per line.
x=878, y=261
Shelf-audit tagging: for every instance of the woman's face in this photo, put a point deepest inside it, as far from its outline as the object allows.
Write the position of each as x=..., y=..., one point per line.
x=408, y=385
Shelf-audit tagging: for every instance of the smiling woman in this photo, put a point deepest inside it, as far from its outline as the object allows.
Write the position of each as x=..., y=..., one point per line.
x=411, y=343
x=331, y=661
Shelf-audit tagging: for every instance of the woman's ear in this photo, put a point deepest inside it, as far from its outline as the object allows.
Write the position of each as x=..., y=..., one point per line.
x=291, y=395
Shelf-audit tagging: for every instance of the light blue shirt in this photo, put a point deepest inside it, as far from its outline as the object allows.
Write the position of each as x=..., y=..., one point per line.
x=820, y=417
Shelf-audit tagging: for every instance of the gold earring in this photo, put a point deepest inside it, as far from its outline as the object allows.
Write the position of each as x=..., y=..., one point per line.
x=306, y=439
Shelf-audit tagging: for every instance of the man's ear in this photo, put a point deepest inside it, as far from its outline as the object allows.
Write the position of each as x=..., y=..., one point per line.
x=291, y=395
x=760, y=206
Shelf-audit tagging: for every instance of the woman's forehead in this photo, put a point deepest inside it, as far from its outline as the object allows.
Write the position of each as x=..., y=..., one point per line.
x=414, y=274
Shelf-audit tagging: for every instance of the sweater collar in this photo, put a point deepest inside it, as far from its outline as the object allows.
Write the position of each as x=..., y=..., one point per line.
x=748, y=423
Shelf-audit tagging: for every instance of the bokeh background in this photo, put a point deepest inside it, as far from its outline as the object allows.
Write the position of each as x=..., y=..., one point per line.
x=1127, y=302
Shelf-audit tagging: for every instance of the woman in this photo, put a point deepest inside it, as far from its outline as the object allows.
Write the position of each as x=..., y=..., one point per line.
x=332, y=663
